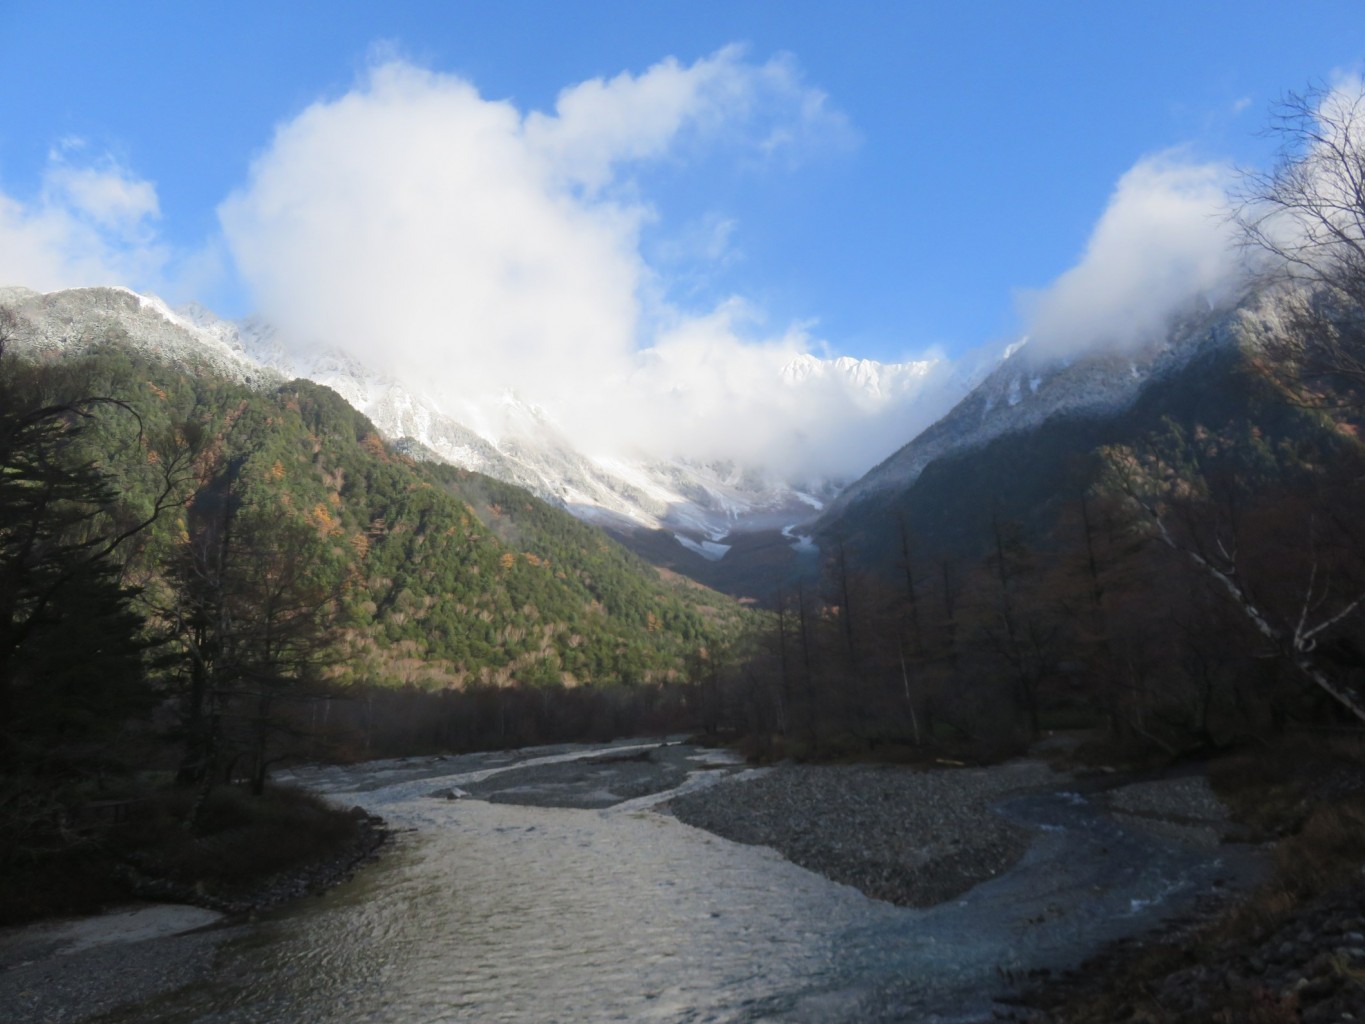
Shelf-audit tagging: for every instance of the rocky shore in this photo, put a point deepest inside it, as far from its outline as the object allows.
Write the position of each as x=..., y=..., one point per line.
x=1307, y=969
x=914, y=838
x=910, y=836
x=315, y=877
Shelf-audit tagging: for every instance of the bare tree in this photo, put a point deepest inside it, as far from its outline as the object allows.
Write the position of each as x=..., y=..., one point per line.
x=1304, y=221
x=1296, y=619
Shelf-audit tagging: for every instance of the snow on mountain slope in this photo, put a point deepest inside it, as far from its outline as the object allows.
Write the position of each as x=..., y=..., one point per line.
x=699, y=502
x=80, y=318
x=872, y=380
x=1028, y=387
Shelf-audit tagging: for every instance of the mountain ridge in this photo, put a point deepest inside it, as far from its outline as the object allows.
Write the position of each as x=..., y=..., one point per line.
x=988, y=462
x=1030, y=386
x=697, y=503
x=439, y=577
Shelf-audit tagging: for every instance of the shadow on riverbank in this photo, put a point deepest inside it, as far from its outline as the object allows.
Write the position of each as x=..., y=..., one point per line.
x=1291, y=951
x=242, y=853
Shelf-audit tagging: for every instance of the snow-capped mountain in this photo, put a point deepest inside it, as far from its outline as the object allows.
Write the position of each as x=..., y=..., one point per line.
x=517, y=441
x=79, y=318
x=699, y=503
x=1030, y=386
x=872, y=380
x=1027, y=445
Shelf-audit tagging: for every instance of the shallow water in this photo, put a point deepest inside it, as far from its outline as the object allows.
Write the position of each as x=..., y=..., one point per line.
x=496, y=912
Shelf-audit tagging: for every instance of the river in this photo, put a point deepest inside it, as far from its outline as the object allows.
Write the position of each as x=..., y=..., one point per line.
x=485, y=911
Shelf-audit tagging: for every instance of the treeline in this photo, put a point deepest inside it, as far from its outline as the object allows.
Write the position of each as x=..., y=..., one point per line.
x=1201, y=586
x=1195, y=582
x=366, y=721
x=190, y=569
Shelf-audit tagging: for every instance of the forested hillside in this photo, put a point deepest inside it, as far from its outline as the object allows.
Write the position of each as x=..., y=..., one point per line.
x=225, y=558
x=1182, y=567
x=1184, y=577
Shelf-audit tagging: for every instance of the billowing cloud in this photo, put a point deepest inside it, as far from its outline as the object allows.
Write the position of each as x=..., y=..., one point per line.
x=411, y=223
x=707, y=388
x=90, y=224
x=1162, y=244
x=462, y=243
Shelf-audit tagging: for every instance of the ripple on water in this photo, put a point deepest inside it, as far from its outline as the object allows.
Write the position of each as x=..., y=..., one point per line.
x=530, y=914
x=496, y=912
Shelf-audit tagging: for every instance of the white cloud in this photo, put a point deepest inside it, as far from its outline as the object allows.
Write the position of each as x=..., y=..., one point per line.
x=598, y=125
x=473, y=247
x=1306, y=214
x=410, y=221
x=706, y=389
x=1162, y=243
x=106, y=196
x=89, y=224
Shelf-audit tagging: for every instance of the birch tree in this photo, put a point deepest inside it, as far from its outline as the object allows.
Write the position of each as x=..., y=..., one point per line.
x=1314, y=595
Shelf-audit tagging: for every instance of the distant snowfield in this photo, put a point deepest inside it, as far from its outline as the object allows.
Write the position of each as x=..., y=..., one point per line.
x=709, y=550
x=697, y=501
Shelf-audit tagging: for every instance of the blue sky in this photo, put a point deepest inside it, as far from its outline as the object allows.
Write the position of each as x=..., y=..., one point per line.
x=961, y=154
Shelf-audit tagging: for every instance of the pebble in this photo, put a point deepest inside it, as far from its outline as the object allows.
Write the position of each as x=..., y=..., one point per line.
x=908, y=836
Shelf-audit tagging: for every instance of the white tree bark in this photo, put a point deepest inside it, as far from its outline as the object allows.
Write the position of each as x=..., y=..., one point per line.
x=1297, y=643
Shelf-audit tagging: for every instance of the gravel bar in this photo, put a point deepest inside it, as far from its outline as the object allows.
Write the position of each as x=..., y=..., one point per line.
x=904, y=835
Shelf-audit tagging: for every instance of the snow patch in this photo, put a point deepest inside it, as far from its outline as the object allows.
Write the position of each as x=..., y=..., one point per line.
x=708, y=549
x=502, y=435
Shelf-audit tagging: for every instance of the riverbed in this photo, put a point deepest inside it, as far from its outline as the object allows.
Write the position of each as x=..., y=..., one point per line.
x=553, y=885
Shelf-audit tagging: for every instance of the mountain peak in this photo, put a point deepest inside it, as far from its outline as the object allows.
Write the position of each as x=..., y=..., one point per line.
x=1028, y=385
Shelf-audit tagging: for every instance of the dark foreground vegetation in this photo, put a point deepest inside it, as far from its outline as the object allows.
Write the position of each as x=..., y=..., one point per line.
x=243, y=852
x=1289, y=952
